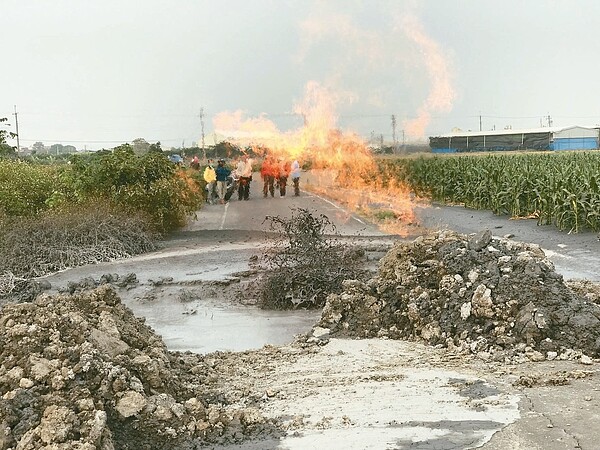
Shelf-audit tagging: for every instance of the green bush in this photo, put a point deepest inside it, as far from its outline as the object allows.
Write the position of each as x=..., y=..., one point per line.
x=25, y=188
x=148, y=183
x=167, y=201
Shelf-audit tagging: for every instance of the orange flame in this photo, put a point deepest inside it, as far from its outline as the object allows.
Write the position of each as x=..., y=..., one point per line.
x=343, y=155
x=318, y=140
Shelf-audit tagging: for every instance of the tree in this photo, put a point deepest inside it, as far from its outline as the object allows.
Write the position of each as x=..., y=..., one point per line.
x=5, y=149
x=38, y=147
x=227, y=150
x=155, y=148
x=140, y=145
x=56, y=149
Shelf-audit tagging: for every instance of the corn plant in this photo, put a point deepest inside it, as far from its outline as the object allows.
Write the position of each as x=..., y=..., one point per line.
x=560, y=188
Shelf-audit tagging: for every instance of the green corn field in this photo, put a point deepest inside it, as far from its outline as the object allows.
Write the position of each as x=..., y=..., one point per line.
x=561, y=189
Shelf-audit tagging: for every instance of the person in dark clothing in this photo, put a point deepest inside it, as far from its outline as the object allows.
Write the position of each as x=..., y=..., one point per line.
x=284, y=173
x=222, y=173
x=296, y=177
x=268, y=172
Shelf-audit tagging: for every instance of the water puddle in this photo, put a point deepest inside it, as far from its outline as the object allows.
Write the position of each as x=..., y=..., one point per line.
x=203, y=326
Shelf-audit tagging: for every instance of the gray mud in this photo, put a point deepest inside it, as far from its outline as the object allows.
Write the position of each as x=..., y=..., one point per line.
x=496, y=297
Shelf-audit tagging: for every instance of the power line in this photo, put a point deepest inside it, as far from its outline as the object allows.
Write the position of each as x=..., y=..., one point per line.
x=119, y=141
x=17, y=130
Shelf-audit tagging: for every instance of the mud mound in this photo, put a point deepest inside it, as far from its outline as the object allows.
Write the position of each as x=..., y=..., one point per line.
x=19, y=290
x=490, y=296
x=80, y=371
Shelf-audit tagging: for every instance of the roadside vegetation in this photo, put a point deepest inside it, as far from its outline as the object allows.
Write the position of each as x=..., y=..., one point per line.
x=559, y=188
x=91, y=208
x=306, y=263
x=58, y=211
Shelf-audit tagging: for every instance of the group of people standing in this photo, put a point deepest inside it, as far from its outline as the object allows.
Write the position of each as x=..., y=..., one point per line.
x=216, y=181
x=274, y=173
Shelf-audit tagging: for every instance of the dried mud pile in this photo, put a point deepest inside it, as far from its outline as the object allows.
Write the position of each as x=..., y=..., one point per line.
x=82, y=372
x=495, y=297
x=79, y=371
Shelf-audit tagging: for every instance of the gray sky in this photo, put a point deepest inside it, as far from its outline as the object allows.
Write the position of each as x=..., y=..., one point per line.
x=99, y=73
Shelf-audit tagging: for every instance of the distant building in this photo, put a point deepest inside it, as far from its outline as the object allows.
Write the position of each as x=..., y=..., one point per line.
x=550, y=138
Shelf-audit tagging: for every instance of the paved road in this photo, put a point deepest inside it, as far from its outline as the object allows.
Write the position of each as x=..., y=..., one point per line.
x=251, y=214
x=575, y=255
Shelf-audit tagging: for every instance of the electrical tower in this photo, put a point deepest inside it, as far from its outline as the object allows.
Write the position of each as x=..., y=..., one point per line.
x=202, y=128
x=17, y=130
x=395, y=142
x=403, y=142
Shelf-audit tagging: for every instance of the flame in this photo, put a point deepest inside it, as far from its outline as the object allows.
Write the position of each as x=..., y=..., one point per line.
x=400, y=43
x=318, y=139
x=353, y=48
x=342, y=164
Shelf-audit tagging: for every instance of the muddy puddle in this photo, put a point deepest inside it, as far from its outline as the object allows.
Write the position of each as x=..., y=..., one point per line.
x=209, y=316
x=203, y=326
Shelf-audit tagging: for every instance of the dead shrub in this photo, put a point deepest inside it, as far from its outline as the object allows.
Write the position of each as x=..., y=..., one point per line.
x=304, y=265
x=70, y=237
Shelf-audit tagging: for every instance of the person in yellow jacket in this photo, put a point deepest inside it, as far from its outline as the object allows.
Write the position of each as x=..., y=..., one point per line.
x=210, y=176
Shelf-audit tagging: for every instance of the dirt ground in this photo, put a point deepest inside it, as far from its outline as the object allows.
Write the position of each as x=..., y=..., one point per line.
x=321, y=389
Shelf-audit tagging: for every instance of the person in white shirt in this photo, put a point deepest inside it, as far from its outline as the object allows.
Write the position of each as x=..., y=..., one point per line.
x=244, y=172
x=295, y=174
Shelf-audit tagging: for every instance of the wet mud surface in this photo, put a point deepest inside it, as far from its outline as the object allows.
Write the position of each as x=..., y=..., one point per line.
x=109, y=368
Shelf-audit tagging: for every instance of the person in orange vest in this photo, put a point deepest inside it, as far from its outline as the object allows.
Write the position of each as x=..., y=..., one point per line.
x=284, y=173
x=268, y=172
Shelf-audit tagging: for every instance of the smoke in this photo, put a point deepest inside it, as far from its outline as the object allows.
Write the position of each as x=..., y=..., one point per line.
x=387, y=57
x=237, y=127
x=342, y=30
x=367, y=66
x=441, y=93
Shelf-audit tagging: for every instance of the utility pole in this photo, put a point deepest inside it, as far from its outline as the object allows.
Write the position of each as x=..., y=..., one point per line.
x=480, y=122
x=17, y=130
x=549, y=120
x=403, y=142
x=202, y=127
x=394, y=133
